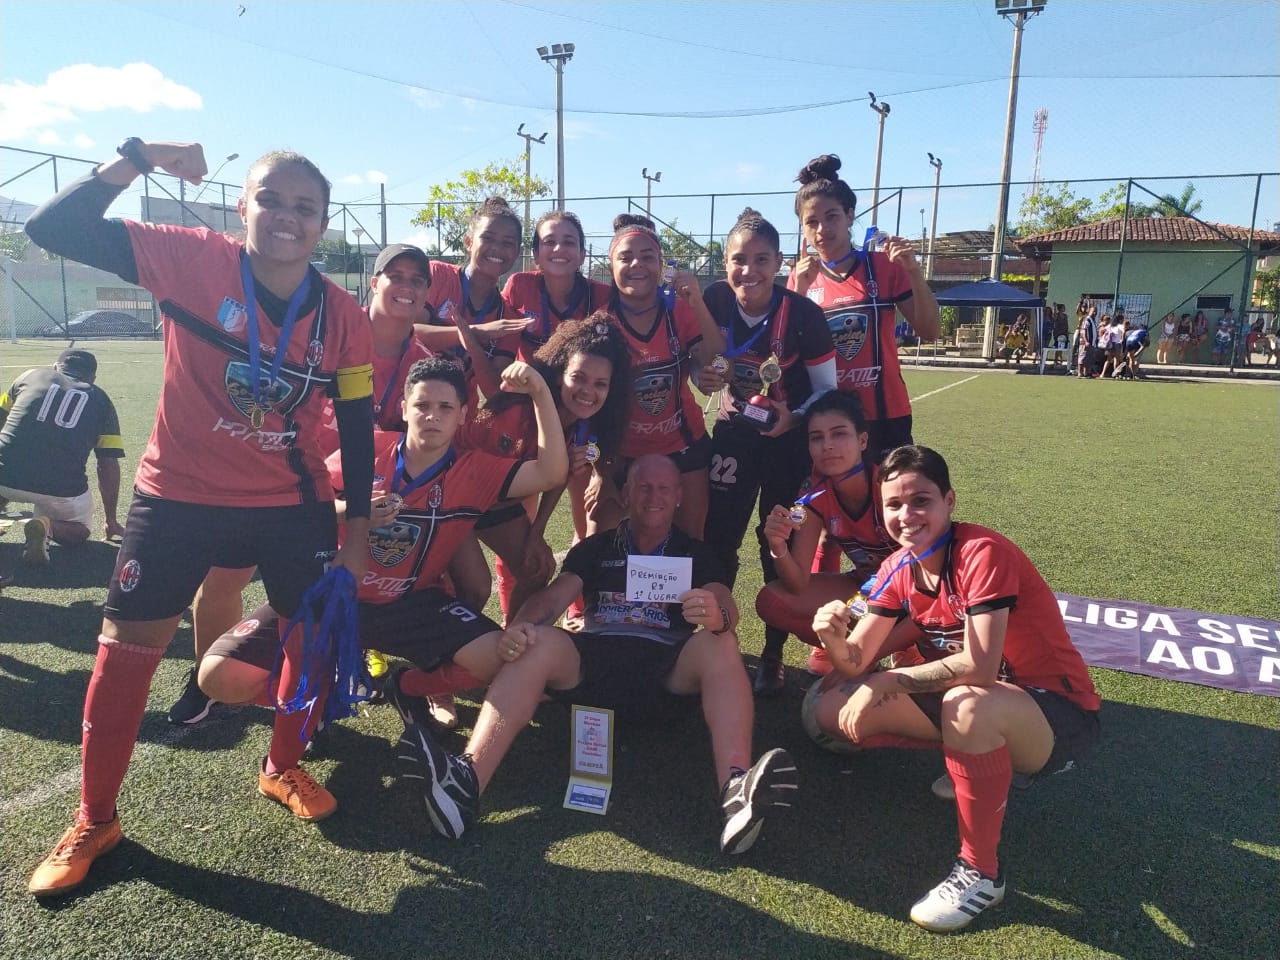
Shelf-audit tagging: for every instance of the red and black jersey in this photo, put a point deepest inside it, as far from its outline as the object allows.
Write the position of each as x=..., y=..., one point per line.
x=203, y=448
x=860, y=308
x=862, y=535
x=527, y=294
x=445, y=296
x=984, y=571
x=389, y=375
x=511, y=432
x=52, y=421
x=795, y=332
x=413, y=552
x=663, y=417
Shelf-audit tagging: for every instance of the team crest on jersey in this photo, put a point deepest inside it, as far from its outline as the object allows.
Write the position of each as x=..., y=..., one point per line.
x=848, y=331
x=130, y=576
x=231, y=315
x=506, y=445
x=873, y=289
x=391, y=544
x=315, y=353
x=435, y=496
x=245, y=627
x=957, y=606
x=653, y=392
x=238, y=382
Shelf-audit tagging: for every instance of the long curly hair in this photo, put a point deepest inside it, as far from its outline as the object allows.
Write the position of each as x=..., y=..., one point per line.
x=597, y=336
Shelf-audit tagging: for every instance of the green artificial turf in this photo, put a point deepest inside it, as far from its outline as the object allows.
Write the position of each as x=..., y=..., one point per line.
x=1165, y=845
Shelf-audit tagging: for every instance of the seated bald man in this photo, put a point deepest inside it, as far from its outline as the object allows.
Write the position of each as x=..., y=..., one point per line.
x=630, y=656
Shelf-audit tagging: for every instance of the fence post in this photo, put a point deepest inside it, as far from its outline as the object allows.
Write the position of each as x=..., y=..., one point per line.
x=62, y=261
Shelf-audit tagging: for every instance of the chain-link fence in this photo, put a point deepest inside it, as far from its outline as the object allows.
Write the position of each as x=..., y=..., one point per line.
x=1205, y=268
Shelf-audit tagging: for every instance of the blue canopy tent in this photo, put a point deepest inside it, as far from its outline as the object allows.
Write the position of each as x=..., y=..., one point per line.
x=993, y=293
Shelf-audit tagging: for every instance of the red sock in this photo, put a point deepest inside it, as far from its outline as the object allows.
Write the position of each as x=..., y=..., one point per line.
x=447, y=679
x=506, y=586
x=982, y=792
x=113, y=710
x=291, y=732
x=896, y=741
x=827, y=557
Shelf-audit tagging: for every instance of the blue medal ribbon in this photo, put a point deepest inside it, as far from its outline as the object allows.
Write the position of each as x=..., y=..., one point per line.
x=286, y=329
x=386, y=393
x=731, y=349
x=906, y=561
x=398, y=485
x=855, y=252
x=331, y=650
x=661, y=551
x=579, y=293
x=489, y=304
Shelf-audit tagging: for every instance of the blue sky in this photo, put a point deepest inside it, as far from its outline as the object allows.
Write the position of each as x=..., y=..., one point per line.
x=408, y=94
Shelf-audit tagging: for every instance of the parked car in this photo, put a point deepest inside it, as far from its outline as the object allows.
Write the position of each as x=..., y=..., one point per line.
x=100, y=323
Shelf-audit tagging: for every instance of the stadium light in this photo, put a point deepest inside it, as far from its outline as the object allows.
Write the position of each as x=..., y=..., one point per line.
x=557, y=55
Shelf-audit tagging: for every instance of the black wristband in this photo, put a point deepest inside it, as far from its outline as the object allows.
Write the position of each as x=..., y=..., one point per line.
x=131, y=150
x=724, y=615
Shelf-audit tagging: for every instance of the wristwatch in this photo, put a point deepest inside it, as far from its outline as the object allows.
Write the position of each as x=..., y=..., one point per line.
x=131, y=150
x=724, y=614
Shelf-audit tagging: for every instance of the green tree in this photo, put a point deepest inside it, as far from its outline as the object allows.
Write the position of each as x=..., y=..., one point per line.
x=14, y=244
x=1266, y=288
x=452, y=204
x=1060, y=207
x=687, y=252
x=1183, y=205
x=338, y=256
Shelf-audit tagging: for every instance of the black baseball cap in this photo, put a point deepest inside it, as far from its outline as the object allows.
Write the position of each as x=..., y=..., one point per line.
x=80, y=364
x=391, y=251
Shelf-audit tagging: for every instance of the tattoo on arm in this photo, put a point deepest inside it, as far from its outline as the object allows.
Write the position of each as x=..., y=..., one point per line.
x=853, y=656
x=929, y=678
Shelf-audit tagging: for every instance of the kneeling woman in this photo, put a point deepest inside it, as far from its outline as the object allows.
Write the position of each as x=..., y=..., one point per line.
x=842, y=499
x=587, y=366
x=1002, y=688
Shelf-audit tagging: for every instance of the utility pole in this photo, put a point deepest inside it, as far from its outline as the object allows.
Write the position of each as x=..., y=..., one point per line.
x=529, y=140
x=1018, y=11
x=558, y=54
x=936, y=163
x=883, y=110
x=648, y=188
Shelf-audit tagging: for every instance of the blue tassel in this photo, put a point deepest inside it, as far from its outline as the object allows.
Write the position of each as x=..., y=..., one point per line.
x=330, y=650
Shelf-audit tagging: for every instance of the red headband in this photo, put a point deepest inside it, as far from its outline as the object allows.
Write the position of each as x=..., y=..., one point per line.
x=632, y=231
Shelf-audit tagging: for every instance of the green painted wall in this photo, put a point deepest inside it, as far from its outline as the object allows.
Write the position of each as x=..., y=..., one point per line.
x=1171, y=273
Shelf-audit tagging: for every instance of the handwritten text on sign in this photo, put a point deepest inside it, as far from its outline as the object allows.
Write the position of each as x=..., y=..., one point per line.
x=658, y=579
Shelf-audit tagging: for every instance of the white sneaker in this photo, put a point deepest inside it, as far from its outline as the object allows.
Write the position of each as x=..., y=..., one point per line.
x=36, y=552
x=943, y=788
x=954, y=902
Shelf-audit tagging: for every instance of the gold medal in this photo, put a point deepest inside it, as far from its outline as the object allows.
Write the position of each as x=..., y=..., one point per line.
x=257, y=416
x=720, y=365
x=858, y=605
x=798, y=513
x=770, y=372
x=593, y=452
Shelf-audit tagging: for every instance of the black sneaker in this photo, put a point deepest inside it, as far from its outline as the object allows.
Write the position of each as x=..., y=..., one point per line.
x=771, y=782
x=770, y=678
x=193, y=706
x=411, y=709
x=450, y=790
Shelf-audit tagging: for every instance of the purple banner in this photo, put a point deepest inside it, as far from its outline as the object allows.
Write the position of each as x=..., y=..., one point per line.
x=1231, y=653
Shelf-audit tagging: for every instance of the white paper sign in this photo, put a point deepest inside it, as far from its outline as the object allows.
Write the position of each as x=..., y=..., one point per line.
x=658, y=579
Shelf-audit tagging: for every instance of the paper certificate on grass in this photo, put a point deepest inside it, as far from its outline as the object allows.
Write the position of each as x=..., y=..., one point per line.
x=658, y=579
x=591, y=763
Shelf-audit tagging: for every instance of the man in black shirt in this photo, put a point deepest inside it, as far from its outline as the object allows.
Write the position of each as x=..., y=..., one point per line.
x=630, y=655
x=50, y=419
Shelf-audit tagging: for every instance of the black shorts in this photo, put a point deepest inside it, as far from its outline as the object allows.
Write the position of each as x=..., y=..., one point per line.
x=169, y=546
x=624, y=673
x=886, y=435
x=1075, y=730
x=696, y=456
x=504, y=512
x=425, y=627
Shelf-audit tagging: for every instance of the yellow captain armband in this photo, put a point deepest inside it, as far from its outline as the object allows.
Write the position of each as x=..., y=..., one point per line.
x=355, y=382
x=110, y=441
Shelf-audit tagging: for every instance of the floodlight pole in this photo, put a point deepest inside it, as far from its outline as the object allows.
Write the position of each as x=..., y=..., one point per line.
x=936, y=163
x=558, y=55
x=883, y=110
x=648, y=188
x=1017, y=11
x=213, y=176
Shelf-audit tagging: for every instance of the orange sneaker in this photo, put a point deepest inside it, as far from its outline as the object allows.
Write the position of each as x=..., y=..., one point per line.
x=819, y=662
x=298, y=791
x=68, y=865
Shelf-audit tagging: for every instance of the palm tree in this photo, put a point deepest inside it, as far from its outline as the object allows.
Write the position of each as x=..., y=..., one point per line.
x=1183, y=205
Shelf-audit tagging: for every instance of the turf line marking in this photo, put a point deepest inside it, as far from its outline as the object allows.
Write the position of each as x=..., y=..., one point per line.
x=69, y=780
x=947, y=387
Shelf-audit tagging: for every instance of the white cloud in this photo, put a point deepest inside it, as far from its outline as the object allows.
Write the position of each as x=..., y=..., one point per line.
x=48, y=138
x=579, y=130
x=424, y=99
x=358, y=179
x=83, y=141
x=28, y=112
